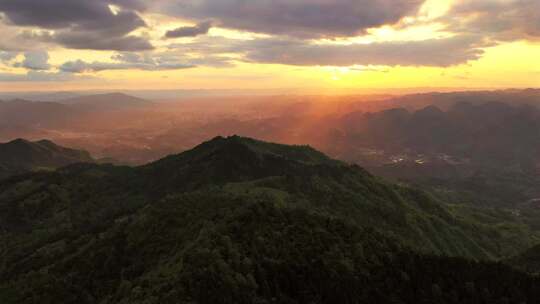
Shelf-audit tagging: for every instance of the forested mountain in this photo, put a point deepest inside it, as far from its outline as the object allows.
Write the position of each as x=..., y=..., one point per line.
x=20, y=156
x=237, y=220
x=486, y=153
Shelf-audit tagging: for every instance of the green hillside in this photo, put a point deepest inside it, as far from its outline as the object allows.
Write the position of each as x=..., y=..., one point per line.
x=21, y=156
x=237, y=220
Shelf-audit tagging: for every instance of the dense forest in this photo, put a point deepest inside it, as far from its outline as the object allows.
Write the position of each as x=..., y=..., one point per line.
x=237, y=220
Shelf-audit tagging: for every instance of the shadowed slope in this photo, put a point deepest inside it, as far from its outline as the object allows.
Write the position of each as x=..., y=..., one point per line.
x=20, y=156
x=237, y=220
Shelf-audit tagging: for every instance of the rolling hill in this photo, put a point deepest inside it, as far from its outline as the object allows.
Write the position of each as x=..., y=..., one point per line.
x=515, y=97
x=236, y=220
x=24, y=113
x=21, y=156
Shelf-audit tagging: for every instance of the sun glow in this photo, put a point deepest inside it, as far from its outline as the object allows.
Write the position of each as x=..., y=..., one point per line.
x=503, y=65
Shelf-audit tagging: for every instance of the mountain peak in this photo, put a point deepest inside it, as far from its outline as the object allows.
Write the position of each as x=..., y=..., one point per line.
x=19, y=141
x=23, y=143
x=118, y=95
x=430, y=110
x=299, y=153
x=429, y=113
x=232, y=159
x=21, y=155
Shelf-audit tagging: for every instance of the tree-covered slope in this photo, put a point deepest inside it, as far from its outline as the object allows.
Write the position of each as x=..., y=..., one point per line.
x=528, y=261
x=20, y=156
x=241, y=221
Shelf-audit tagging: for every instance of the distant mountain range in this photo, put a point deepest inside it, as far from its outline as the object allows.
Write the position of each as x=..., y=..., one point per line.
x=236, y=220
x=27, y=114
x=22, y=156
x=44, y=96
x=487, y=152
x=110, y=101
x=492, y=131
x=445, y=101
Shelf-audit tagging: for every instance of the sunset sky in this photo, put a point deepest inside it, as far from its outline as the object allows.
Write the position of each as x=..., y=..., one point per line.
x=268, y=44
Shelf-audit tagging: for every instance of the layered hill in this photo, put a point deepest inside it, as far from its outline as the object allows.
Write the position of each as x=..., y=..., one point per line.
x=111, y=101
x=448, y=100
x=21, y=156
x=489, y=132
x=63, y=113
x=484, y=152
x=237, y=220
x=24, y=113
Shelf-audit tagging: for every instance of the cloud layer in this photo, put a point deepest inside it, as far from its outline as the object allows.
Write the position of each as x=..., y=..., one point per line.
x=297, y=18
x=190, y=31
x=505, y=20
x=125, y=61
x=81, y=24
x=433, y=52
x=39, y=76
x=294, y=32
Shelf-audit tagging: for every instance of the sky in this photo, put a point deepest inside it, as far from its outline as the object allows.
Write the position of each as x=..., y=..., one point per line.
x=326, y=45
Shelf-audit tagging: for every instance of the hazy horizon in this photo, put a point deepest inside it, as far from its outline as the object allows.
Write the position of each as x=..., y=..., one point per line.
x=183, y=94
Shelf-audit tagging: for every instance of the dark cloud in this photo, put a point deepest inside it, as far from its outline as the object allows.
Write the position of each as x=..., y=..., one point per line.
x=211, y=45
x=293, y=26
x=298, y=18
x=138, y=5
x=434, y=52
x=59, y=14
x=81, y=24
x=35, y=60
x=96, y=41
x=190, y=31
x=500, y=20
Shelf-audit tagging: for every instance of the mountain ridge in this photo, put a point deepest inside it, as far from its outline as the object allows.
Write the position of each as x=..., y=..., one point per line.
x=20, y=156
x=238, y=220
